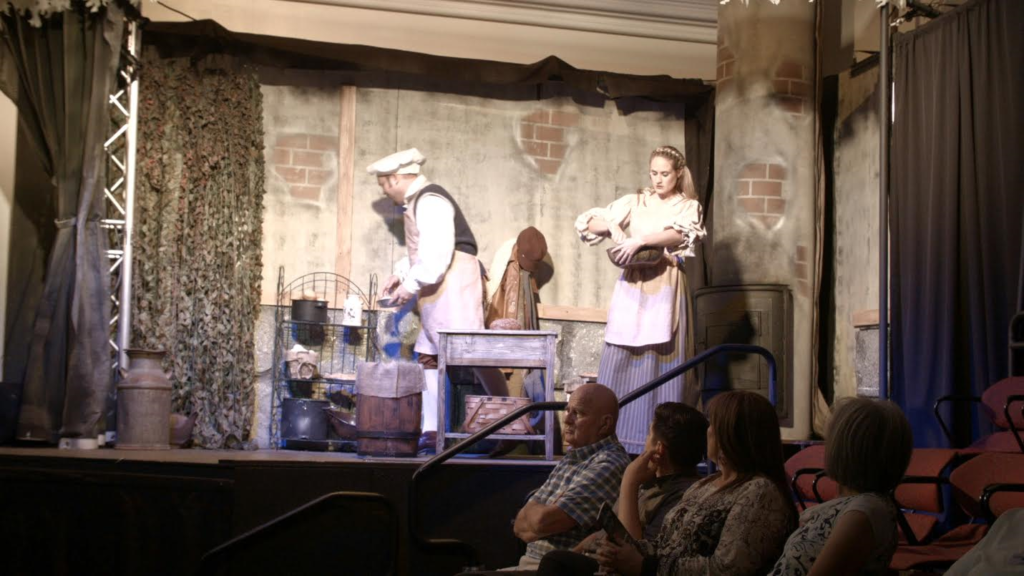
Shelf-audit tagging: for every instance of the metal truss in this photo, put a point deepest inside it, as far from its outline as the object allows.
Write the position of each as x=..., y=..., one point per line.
x=119, y=194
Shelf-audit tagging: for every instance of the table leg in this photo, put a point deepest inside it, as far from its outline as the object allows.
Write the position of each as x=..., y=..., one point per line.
x=442, y=396
x=549, y=395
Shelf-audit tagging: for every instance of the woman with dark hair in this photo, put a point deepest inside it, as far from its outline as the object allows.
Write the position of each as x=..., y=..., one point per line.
x=648, y=330
x=867, y=450
x=734, y=522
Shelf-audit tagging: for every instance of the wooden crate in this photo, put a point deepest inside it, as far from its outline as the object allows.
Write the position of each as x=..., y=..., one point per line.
x=482, y=411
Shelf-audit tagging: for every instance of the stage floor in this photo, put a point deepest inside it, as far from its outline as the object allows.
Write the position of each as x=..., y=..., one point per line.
x=217, y=457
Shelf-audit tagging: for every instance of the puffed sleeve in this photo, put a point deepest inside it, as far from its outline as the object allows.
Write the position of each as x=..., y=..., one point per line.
x=690, y=223
x=615, y=213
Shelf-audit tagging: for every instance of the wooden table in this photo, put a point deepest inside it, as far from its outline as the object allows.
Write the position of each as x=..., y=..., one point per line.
x=497, y=349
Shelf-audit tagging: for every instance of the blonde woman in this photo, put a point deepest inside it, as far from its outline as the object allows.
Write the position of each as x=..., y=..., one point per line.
x=867, y=450
x=648, y=329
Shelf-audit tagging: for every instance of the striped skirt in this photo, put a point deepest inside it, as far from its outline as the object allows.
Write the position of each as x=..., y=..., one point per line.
x=625, y=368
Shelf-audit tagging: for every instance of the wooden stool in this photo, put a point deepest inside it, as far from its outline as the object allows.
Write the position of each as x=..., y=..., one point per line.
x=497, y=349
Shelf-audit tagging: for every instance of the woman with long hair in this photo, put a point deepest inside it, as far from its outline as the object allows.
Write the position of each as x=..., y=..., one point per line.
x=648, y=330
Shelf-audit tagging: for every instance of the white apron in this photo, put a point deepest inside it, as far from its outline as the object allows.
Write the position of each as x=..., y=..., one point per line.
x=456, y=302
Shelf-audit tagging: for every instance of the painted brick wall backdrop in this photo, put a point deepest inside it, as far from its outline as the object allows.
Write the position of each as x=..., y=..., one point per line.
x=300, y=218
x=305, y=162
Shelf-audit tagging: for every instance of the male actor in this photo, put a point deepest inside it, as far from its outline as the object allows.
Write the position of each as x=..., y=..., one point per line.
x=442, y=271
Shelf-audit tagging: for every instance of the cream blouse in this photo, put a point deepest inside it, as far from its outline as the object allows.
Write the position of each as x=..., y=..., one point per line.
x=634, y=212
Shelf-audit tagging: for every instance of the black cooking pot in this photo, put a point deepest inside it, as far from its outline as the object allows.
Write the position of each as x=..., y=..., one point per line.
x=304, y=419
x=309, y=311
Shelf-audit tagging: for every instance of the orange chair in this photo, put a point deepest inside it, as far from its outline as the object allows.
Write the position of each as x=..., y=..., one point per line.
x=1003, y=405
x=984, y=487
x=806, y=470
x=920, y=493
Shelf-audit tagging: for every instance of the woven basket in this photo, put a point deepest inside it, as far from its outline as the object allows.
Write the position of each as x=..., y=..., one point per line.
x=644, y=258
x=482, y=411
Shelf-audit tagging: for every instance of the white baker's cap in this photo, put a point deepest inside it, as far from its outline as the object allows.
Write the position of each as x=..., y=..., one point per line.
x=404, y=162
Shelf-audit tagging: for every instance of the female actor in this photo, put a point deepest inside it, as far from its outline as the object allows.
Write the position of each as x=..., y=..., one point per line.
x=648, y=318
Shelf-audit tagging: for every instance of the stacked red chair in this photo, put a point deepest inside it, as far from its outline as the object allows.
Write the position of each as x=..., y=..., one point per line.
x=1003, y=405
x=984, y=487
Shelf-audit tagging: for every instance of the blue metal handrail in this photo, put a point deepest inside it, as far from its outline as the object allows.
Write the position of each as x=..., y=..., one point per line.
x=704, y=357
x=466, y=550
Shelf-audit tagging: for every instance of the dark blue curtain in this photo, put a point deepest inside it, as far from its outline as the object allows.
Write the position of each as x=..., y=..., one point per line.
x=956, y=194
x=66, y=67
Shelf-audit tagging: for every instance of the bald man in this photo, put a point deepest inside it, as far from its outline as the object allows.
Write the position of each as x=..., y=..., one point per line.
x=564, y=510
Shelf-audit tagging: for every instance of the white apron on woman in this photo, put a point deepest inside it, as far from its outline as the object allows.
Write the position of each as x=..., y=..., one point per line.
x=648, y=330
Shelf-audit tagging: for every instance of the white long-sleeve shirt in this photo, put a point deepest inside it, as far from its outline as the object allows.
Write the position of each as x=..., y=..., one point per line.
x=435, y=220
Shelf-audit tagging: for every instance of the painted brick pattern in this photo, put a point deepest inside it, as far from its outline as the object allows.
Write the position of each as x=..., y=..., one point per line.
x=544, y=137
x=306, y=162
x=726, y=65
x=759, y=193
x=802, y=271
x=792, y=87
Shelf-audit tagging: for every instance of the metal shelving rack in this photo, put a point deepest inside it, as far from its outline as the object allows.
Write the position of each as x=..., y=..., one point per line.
x=339, y=348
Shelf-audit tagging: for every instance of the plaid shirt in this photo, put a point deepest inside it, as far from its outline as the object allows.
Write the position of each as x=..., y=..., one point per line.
x=584, y=479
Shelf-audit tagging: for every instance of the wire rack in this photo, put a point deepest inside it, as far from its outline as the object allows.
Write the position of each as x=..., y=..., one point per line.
x=331, y=349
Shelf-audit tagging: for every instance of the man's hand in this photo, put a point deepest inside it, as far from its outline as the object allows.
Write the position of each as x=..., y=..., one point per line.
x=391, y=283
x=401, y=296
x=536, y=521
x=623, y=558
x=590, y=543
x=521, y=527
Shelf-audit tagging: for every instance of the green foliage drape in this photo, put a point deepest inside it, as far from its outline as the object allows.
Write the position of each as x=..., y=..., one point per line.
x=198, y=239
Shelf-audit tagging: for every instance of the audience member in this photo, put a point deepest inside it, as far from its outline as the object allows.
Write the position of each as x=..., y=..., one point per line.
x=734, y=522
x=564, y=509
x=867, y=449
x=676, y=443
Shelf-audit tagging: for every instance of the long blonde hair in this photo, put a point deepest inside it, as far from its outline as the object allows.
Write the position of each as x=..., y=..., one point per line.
x=678, y=160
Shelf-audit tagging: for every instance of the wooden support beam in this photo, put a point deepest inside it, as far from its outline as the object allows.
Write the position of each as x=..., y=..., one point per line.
x=864, y=318
x=572, y=313
x=346, y=181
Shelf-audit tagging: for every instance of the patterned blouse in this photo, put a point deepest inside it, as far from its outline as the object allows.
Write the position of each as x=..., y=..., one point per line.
x=738, y=531
x=816, y=524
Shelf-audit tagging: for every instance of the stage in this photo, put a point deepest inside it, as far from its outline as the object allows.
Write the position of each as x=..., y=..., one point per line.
x=158, y=512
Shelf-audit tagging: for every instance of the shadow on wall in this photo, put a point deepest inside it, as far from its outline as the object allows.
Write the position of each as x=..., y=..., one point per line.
x=392, y=217
x=717, y=375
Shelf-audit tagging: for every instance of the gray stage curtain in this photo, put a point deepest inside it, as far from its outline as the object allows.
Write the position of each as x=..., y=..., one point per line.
x=957, y=208
x=65, y=69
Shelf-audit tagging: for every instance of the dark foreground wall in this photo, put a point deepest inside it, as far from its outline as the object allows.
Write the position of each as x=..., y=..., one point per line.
x=74, y=516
